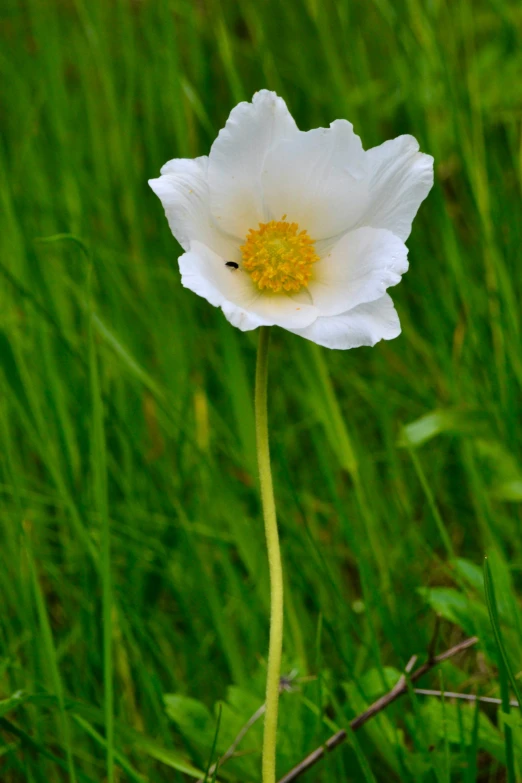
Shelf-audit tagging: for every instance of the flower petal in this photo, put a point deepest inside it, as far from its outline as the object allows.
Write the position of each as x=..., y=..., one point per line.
x=400, y=178
x=318, y=179
x=364, y=325
x=183, y=191
x=358, y=269
x=206, y=273
x=237, y=157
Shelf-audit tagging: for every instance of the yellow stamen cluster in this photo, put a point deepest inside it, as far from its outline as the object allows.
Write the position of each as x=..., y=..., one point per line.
x=278, y=256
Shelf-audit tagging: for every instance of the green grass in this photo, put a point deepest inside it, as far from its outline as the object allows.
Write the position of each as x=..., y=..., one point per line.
x=132, y=550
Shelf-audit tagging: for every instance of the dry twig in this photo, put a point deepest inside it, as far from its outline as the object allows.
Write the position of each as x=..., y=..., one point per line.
x=399, y=689
x=232, y=749
x=464, y=697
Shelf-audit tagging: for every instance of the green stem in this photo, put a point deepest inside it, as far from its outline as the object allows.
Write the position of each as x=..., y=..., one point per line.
x=274, y=560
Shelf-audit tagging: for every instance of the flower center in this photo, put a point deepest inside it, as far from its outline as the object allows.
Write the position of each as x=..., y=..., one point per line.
x=278, y=256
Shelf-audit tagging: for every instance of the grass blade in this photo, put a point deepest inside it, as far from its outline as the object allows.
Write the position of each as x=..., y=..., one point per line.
x=505, y=671
x=99, y=479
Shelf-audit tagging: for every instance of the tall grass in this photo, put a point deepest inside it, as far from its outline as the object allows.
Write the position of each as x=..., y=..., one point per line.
x=133, y=559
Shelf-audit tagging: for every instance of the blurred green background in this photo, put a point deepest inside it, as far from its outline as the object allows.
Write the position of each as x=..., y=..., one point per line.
x=132, y=544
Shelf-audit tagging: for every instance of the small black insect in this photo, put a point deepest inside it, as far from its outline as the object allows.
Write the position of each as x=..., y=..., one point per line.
x=232, y=264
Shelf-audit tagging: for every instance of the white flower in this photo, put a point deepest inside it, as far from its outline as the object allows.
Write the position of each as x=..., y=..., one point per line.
x=301, y=230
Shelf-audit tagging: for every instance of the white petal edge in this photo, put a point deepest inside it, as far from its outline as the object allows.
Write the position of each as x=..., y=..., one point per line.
x=237, y=158
x=318, y=179
x=183, y=190
x=358, y=269
x=366, y=324
x=400, y=178
x=206, y=274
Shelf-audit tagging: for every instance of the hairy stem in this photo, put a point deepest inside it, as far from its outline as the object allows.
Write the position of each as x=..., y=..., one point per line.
x=274, y=561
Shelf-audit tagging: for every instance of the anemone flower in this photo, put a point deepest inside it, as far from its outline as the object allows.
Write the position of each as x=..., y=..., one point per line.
x=302, y=230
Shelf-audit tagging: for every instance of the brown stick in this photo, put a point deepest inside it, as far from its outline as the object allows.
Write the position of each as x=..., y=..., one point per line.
x=464, y=697
x=232, y=749
x=399, y=689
